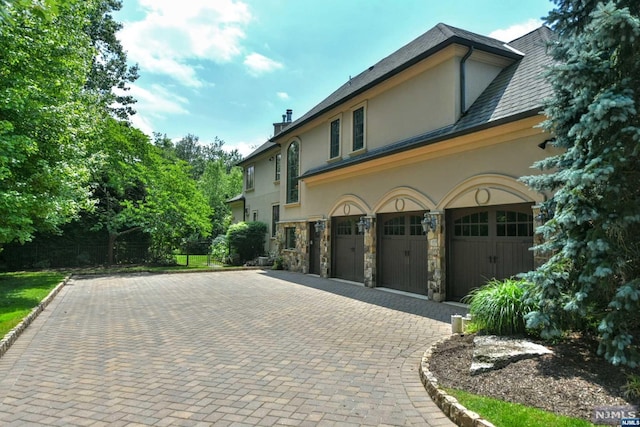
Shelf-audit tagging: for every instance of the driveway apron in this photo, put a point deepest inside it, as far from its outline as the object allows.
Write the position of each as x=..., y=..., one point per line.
x=225, y=348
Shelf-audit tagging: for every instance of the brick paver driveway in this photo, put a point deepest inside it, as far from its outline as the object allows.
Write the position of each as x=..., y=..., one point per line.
x=228, y=348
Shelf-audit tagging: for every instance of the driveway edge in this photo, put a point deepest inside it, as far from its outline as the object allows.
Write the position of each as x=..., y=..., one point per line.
x=13, y=334
x=449, y=405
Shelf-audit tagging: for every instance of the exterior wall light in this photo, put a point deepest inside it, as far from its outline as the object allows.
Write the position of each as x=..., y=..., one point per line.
x=546, y=213
x=364, y=224
x=319, y=226
x=429, y=222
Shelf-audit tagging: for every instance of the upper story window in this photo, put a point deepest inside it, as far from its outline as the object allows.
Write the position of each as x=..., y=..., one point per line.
x=278, y=162
x=249, y=177
x=293, y=171
x=334, y=141
x=358, y=129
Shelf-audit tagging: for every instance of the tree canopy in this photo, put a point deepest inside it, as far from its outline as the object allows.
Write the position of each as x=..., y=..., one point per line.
x=45, y=117
x=592, y=277
x=67, y=149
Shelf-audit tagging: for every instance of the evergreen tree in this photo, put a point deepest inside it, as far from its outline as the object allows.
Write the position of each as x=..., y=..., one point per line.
x=593, y=273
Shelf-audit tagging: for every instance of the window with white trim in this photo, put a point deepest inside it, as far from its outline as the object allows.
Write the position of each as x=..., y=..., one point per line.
x=334, y=139
x=249, y=177
x=358, y=128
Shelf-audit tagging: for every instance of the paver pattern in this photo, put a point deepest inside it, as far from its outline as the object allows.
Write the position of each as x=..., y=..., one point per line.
x=226, y=349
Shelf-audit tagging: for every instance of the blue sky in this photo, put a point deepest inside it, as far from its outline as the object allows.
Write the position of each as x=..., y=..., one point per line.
x=230, y=68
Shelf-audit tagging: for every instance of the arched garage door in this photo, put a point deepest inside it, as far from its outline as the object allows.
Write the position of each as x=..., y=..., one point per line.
x=487, y=242
x=403, y=252
x=348, y=254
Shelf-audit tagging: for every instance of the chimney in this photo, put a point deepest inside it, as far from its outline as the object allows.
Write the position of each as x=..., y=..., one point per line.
x=286, y=121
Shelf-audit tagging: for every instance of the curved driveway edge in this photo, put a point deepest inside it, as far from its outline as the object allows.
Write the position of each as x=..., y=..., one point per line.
x=14, y=333
x=241, y=348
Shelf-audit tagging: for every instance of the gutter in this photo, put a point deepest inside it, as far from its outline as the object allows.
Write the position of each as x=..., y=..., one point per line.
x=452, y=40
x=421, y=142
x=463, y=81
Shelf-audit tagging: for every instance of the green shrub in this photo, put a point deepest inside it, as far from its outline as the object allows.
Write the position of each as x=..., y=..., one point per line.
x=499, y=306
x=220, y=248
x=246, y=240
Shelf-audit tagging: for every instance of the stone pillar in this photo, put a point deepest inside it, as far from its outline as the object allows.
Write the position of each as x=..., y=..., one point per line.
x=325, y=250
x=436, y=259
x=539, y=257
x=370, y=255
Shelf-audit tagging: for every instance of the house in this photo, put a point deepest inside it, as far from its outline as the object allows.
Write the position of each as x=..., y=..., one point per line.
x=406, y=177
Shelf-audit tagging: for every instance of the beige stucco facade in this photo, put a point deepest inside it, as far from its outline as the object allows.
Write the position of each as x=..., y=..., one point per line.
x=467, y=170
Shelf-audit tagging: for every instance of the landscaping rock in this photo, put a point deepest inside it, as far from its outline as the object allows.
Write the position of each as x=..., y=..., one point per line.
x=492, y=352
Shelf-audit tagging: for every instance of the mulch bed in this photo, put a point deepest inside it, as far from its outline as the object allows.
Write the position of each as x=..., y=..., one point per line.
x=572, y=381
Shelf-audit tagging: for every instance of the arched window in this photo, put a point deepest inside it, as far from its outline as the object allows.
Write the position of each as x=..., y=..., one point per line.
x=293, y=171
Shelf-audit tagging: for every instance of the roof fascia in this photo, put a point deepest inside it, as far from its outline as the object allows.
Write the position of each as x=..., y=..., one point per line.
x=408, y=64
x=429, y=141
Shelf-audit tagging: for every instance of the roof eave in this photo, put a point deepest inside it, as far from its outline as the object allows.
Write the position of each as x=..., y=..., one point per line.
x=452, y=40
x=429, y=141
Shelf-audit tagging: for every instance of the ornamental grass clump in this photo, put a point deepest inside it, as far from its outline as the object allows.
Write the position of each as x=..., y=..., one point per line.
x=499, y=306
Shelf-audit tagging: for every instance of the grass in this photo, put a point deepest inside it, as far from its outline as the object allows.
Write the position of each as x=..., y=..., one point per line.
x=20, y=293
x=502, y=413
x=195, y=261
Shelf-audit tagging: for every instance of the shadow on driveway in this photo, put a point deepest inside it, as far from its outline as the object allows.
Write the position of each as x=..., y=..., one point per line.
x=407, y=304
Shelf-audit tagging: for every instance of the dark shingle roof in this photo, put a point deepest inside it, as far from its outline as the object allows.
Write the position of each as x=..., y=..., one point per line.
x=517, y=92
x=258, y=151
x=435, y=39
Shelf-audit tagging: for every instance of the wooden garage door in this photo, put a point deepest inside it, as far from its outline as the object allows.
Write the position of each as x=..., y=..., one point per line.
x=403, y=252
x=348, y=255
x=488, y=242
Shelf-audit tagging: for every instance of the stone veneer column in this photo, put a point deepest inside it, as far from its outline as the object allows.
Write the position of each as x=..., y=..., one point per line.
x=325, y=250
x=436, y=259
x=370, y=255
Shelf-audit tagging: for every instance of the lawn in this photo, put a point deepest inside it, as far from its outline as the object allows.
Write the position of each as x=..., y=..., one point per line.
x=20, y=293
x=197, y=261
x=502, y=413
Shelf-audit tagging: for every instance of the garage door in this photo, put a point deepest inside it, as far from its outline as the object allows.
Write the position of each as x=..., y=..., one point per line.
x=403, y=252
x=488, y=242
x=348, y=256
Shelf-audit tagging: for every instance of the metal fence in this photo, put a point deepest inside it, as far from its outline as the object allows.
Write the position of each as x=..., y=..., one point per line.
x=33, y=255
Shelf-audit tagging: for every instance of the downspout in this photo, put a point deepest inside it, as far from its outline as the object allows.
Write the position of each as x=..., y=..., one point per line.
x=463, y=81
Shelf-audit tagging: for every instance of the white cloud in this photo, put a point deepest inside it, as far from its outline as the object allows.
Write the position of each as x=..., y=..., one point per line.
x=154, y=103
x=283, y=95
x=259, y=64
x=173, y=33
x=516, y=30
x=158, y=101
x=244, y=148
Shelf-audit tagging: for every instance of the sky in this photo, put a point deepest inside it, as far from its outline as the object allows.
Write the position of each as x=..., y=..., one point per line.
x=229, y=69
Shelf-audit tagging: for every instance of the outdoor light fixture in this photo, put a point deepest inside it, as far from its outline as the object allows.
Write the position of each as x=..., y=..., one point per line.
x=546, y=213
x=364, y=224
x=319, y=226
x=430, y=222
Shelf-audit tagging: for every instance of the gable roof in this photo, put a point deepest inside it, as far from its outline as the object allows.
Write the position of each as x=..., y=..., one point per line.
x=517, y=92
x=434, y=40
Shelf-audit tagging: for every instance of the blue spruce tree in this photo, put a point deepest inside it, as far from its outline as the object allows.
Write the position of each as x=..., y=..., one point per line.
x=592, y=276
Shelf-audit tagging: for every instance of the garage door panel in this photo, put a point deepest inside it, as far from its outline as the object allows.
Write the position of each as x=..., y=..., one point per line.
x=488, y=242
x=513, y=258
x=403, y=252
x=349, y=250
x=471, y=267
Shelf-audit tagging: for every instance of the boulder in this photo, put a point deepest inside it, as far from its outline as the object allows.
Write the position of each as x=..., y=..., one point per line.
x=491, y=352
